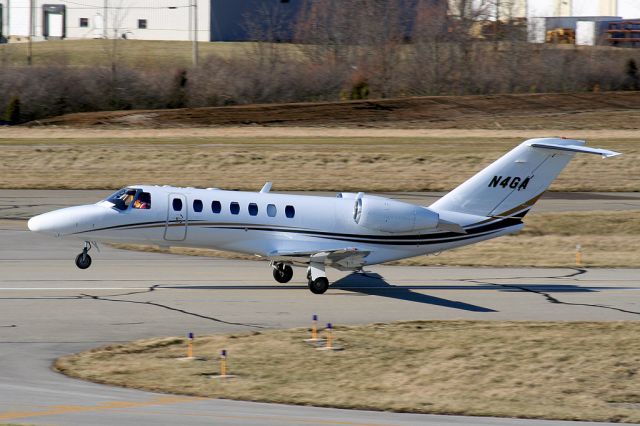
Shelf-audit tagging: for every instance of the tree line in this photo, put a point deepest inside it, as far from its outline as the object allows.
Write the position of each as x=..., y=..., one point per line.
x=332, y=50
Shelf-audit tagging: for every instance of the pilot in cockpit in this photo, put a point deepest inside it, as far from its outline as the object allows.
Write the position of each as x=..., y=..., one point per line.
x=128, y=199
x=143, y=201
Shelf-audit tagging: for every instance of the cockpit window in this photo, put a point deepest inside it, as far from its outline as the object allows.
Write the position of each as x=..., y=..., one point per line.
x=143, y=201
x=122, y=199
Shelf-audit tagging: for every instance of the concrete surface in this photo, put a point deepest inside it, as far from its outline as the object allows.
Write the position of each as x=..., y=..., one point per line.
x=49, y=308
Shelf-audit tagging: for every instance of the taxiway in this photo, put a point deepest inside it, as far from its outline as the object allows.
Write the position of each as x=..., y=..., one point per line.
x=49, y=308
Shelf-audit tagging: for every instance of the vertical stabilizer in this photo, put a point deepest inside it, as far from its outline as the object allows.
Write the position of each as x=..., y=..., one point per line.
x=514, y=182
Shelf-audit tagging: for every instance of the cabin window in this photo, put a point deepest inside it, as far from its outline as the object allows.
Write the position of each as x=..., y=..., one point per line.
x=235, y=208
x=253, y=209
x=143, y=201
x=197, y=206
x=216, y=207
x=272, y=210
x=290, y=212
x=142, y=24
x=122, y=199
x=177, y=204
x=84, y=22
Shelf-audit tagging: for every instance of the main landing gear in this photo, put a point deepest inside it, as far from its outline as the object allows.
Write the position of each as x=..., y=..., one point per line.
x=83, y=260
x=317, y=278
x=282, y=272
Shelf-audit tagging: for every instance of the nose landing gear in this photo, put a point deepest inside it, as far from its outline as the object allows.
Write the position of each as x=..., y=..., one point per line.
x=83, y=260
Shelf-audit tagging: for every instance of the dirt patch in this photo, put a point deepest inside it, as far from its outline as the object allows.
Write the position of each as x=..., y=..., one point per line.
x=572, y=371
x=190, y=135
x=608, y=110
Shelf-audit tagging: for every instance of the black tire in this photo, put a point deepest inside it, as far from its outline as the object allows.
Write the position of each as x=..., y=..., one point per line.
x=83, y=261
x=319, y=285
x=283, y=273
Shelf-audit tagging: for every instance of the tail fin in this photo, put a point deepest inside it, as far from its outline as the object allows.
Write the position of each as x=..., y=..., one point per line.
x=514, y=182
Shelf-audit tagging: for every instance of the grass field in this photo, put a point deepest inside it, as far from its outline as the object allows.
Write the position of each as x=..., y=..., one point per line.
x=136, y=53
x=608, y=239
x=568, y=370
x=295, y=163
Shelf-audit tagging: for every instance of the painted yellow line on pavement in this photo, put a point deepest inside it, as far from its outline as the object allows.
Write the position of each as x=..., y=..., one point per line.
x=126, y=406
x=112, y=405
x=258, y=417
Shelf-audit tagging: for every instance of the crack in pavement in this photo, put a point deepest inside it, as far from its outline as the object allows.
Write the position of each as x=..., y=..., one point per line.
x=547, y=296
x=170, y=308
x=131, y=293
x=108, y=298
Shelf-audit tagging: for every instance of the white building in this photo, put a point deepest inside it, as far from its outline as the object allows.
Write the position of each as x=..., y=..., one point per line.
x=627, y=9
x=589, y=18
x=87, y=19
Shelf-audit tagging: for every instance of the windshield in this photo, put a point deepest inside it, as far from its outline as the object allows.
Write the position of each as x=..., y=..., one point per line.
x=122, y=199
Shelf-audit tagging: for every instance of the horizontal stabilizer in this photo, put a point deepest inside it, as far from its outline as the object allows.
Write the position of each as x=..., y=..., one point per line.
x=575, y=148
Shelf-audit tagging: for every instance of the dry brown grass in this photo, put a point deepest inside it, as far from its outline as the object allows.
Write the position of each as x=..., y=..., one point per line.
x=577, y=371
x=138, y=53
x=608, y=239
x=369, y=164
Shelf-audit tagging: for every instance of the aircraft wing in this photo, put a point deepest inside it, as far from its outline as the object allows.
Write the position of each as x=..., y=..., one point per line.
x=343, y=259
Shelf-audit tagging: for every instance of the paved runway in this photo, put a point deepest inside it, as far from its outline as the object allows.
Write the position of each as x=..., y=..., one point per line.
x=49, y=308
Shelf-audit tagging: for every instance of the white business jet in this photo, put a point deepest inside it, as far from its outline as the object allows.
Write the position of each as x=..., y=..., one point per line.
x=345, y=232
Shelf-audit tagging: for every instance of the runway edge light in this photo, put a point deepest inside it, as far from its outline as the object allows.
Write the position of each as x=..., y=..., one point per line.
x=578, y=255
x=189, y=356
x=314, y=331
x=223, y=367
x=329, y=345
x=190, y=346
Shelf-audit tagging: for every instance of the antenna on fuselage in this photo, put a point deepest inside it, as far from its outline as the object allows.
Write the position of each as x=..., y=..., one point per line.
x=266, y=188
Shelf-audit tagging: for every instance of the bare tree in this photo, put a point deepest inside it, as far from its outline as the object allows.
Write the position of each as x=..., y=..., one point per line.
x=118, y=11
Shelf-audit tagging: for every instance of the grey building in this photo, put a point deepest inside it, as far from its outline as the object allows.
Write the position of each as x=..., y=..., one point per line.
x=233, y=20
x=274, y=20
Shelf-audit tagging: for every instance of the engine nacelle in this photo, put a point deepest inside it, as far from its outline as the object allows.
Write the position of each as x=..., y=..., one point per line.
x=386, y=215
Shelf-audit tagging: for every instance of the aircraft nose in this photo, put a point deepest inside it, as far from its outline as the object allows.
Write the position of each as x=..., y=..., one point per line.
x=67, y=221
x=42, y=223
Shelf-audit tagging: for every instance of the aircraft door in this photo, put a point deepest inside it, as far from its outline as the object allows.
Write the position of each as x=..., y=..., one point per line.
x=176, y=227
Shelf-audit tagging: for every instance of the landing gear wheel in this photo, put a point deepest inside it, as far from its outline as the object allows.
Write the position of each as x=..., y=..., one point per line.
x=319, y=285
x=83, y=260
x=283, y=273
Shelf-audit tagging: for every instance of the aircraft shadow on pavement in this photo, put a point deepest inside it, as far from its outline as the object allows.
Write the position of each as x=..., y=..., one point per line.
x=375, y=285
x=370, y=284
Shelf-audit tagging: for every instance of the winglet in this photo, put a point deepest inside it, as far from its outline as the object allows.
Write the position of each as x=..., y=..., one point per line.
x=605, y=153
x=266, y=188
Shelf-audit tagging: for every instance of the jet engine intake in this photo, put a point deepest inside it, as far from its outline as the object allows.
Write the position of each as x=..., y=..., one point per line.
x=386, y=215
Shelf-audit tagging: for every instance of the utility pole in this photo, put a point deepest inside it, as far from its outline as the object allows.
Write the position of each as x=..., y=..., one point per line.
x=8, y=19
x=30, y=47
x=194, y=45
x=105, y=33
